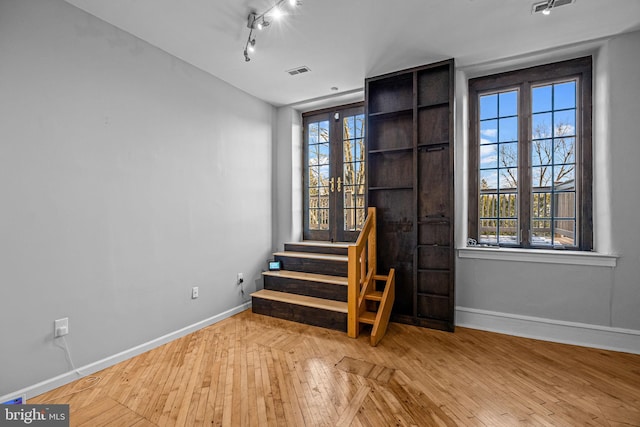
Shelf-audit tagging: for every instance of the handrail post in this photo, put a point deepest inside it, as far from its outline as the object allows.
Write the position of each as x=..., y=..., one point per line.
x=372, y=249
x=353, y=290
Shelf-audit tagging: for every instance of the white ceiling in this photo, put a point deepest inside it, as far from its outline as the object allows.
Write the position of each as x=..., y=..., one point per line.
x=344, y=41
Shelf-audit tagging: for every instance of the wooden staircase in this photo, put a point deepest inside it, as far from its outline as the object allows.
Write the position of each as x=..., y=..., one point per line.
x=310, y=288
x=323, y=284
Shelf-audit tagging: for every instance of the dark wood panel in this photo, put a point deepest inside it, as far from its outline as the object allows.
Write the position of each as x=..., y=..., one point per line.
x=434, y=282
x=306, y=287
x=434, y=197
x=393, y=132
x=433, y=307
x=433, y=86
x=404, y=286
x=435, y=233
x=433, y=125
x=301, y=314
x=393, y=169
x=309, y=265
x=319, y=249
x=436, y=257
x=394, y=207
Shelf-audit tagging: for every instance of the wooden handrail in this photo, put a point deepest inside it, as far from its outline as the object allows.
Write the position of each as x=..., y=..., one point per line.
x=361, y=271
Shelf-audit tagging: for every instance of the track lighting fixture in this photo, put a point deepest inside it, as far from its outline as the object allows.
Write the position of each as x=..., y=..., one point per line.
x=547, y=10
x=260, y=22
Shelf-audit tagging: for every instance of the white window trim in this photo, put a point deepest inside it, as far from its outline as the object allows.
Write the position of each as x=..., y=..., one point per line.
x=546, y=256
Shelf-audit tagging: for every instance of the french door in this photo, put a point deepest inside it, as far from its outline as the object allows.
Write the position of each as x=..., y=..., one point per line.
x=334, y=173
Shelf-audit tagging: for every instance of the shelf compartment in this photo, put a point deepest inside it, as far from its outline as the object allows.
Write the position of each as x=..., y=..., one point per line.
x=391, y=169
x=390, y=94
x=390, y=132
x=433, y=85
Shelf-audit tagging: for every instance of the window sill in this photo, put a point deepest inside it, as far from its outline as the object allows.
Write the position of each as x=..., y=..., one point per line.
x=547, y=256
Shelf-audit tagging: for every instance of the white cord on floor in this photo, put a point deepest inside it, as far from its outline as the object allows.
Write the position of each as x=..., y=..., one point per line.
x=93, y=380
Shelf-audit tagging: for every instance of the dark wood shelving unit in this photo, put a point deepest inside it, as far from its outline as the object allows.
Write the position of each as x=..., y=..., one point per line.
x=410, y=176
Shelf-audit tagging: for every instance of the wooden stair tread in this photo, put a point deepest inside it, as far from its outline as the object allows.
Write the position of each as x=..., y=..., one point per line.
x=321, y=244
x=313, y=277
x=374, y=296
x=313, y=302
x=311, y=255
x=368, y=317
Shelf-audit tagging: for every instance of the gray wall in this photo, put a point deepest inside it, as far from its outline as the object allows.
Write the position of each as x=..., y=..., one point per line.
x=126, y=178
x=624, y=66
x=287, y=178
x=585, y=294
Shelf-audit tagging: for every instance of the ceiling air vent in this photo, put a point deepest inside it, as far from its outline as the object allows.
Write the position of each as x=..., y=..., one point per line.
x=298, y=70
x=539, y=7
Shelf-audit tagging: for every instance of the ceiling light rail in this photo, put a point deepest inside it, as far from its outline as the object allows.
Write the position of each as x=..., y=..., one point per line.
x=259, y=22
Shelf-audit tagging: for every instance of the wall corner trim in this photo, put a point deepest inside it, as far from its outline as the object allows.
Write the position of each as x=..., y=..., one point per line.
x=60, y=380
x=581, y=334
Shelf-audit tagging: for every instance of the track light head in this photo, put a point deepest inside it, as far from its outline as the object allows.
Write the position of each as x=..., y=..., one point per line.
x=257, y=21
x=252, y=20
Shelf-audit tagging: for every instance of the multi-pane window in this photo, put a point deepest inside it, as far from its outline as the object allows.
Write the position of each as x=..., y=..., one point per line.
x=353, y=172
x=318, y=182
x=530, y=157
x=499, y=167
x=553, y=164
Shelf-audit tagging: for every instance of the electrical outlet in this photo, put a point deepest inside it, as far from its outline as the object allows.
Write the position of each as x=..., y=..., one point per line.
x=240, y=279
x=60, y=327
x=195, y=292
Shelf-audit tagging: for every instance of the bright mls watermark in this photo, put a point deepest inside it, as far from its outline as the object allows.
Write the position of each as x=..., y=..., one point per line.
x=34, y=415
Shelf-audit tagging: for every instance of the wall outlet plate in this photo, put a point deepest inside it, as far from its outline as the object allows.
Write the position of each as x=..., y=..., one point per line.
x=195, y=292
x=60, y=327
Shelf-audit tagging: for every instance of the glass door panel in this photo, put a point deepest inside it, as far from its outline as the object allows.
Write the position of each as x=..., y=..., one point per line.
x=334, y=175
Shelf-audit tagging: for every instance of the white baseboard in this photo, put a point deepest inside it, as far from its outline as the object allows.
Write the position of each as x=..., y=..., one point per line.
x=60, y=380
x=582, y=334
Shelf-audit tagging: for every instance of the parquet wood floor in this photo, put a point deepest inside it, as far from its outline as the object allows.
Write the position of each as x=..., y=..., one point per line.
x=252, y=370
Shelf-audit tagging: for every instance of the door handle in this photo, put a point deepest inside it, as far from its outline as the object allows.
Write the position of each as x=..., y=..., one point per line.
x=332, y=185
x=339, y=184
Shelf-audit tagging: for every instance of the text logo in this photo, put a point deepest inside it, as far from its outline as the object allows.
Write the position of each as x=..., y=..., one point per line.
x=34, y=415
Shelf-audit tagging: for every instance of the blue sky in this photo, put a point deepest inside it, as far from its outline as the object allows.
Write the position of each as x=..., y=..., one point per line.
x=552, y=106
